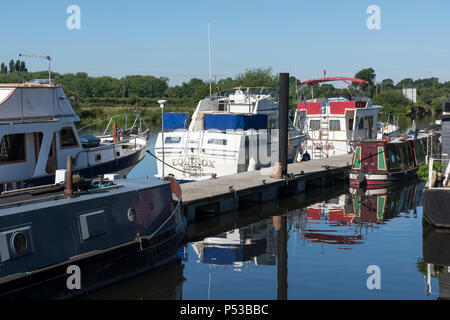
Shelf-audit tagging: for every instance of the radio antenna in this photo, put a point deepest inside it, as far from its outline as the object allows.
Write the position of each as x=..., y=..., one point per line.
x=40, y=57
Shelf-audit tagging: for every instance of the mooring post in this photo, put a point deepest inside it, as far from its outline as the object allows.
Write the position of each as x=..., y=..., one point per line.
x=162, y=103
x=280, y=169
x=283, y=105
x=68, y=190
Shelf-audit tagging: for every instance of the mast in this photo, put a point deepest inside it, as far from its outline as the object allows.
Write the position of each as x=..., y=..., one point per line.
x=209, y=56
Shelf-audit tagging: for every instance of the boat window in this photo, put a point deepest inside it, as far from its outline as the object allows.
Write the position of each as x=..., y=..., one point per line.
x=361, y=123
x=172, y=140
x=222, y=142
x=314, y=124
x=68, y=139
x=12, y=148
x=403, y=156
x=393, y=158
x=335, y=125
x=350, y=124
x=410, y=154
x=420, y=151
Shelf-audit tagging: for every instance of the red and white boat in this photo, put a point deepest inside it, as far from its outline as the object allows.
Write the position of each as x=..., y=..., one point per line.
x=333, y=122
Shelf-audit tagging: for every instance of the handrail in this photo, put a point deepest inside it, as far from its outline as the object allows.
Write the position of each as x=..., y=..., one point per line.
x=138, y=115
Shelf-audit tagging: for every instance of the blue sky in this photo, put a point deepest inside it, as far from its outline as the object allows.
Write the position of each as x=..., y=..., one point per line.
x=170, y=38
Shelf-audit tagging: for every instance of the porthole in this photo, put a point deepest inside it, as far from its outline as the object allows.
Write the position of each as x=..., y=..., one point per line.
x=131, y=214
x=19, y=243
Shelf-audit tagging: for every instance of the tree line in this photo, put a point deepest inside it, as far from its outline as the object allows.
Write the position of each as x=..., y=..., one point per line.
x=17, y=66
x=146, y=90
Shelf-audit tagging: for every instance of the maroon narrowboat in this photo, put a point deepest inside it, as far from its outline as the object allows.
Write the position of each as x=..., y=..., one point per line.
x=378, y=163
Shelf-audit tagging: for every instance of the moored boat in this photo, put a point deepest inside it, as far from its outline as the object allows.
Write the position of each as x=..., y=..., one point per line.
x=44, y=232
x=231, y=133
x=380, y=162
x=38, y=132
x=334, y=121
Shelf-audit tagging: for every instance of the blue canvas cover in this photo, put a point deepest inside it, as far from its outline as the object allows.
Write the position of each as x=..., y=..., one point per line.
x=175, y=120
x=234, y=121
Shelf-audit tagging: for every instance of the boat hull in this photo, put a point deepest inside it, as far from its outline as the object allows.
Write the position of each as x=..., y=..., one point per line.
x=136, y=219
x=121, y=166
x=375, y=181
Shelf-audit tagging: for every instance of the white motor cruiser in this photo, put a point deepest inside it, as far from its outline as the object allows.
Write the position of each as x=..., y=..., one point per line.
x=228, y=134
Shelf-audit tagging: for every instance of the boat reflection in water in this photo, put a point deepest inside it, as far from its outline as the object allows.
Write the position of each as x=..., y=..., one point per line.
x=255, y=243
x=346, y=220
x=161, y=284
x=342, y=222
x=436, y=259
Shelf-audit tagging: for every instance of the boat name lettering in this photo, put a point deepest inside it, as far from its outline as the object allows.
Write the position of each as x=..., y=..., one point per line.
x=193, y=162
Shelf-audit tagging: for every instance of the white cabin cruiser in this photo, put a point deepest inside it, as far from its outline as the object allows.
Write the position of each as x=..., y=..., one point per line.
x=37, y=133
x=228, y=134
x=333, y=122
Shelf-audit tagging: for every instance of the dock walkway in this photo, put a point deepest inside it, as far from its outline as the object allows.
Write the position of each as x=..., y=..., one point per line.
x=224, y=193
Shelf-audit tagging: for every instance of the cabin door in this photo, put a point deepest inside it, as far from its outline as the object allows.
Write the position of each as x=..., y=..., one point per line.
x=52, y=162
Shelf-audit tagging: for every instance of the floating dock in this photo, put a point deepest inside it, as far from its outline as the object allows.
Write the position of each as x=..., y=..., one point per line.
x=224, y=193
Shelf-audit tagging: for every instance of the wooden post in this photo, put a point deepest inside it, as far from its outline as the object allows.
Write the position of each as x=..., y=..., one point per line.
x=114, y=133
x=68, y=190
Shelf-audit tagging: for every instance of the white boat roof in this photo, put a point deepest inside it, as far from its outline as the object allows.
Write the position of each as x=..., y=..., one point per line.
x=34, y=102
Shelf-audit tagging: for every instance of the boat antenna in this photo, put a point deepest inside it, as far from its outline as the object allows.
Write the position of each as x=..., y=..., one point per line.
x=40, y=57
x=209, y=56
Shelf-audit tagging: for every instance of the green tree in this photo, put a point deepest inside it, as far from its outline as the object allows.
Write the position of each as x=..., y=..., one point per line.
x=3, y=69
x=368, y=75
x=259, y=77
x=387, y=84
x=17, y=66
x=393, y=101
x=405, y=83
x=22, y=67
x=11, y=66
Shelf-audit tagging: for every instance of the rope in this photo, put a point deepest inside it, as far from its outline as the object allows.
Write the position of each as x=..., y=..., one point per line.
x=165, y=163
x=162, y=225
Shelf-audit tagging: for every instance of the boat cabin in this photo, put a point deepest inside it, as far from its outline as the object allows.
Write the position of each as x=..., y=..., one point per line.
x=37, y=133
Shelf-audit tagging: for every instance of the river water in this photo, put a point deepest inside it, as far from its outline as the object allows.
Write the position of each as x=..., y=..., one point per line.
x=326, y=244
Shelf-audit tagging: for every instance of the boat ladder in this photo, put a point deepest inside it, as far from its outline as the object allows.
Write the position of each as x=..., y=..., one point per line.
x=324, y=133
x=191, y=152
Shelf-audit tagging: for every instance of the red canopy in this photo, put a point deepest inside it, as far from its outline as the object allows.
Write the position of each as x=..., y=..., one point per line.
x=316, y=81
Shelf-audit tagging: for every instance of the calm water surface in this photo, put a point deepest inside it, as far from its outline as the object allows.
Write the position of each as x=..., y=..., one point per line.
x=313, y=246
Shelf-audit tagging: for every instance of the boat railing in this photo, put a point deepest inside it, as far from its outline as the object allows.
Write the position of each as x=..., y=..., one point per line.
x=137, y=118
